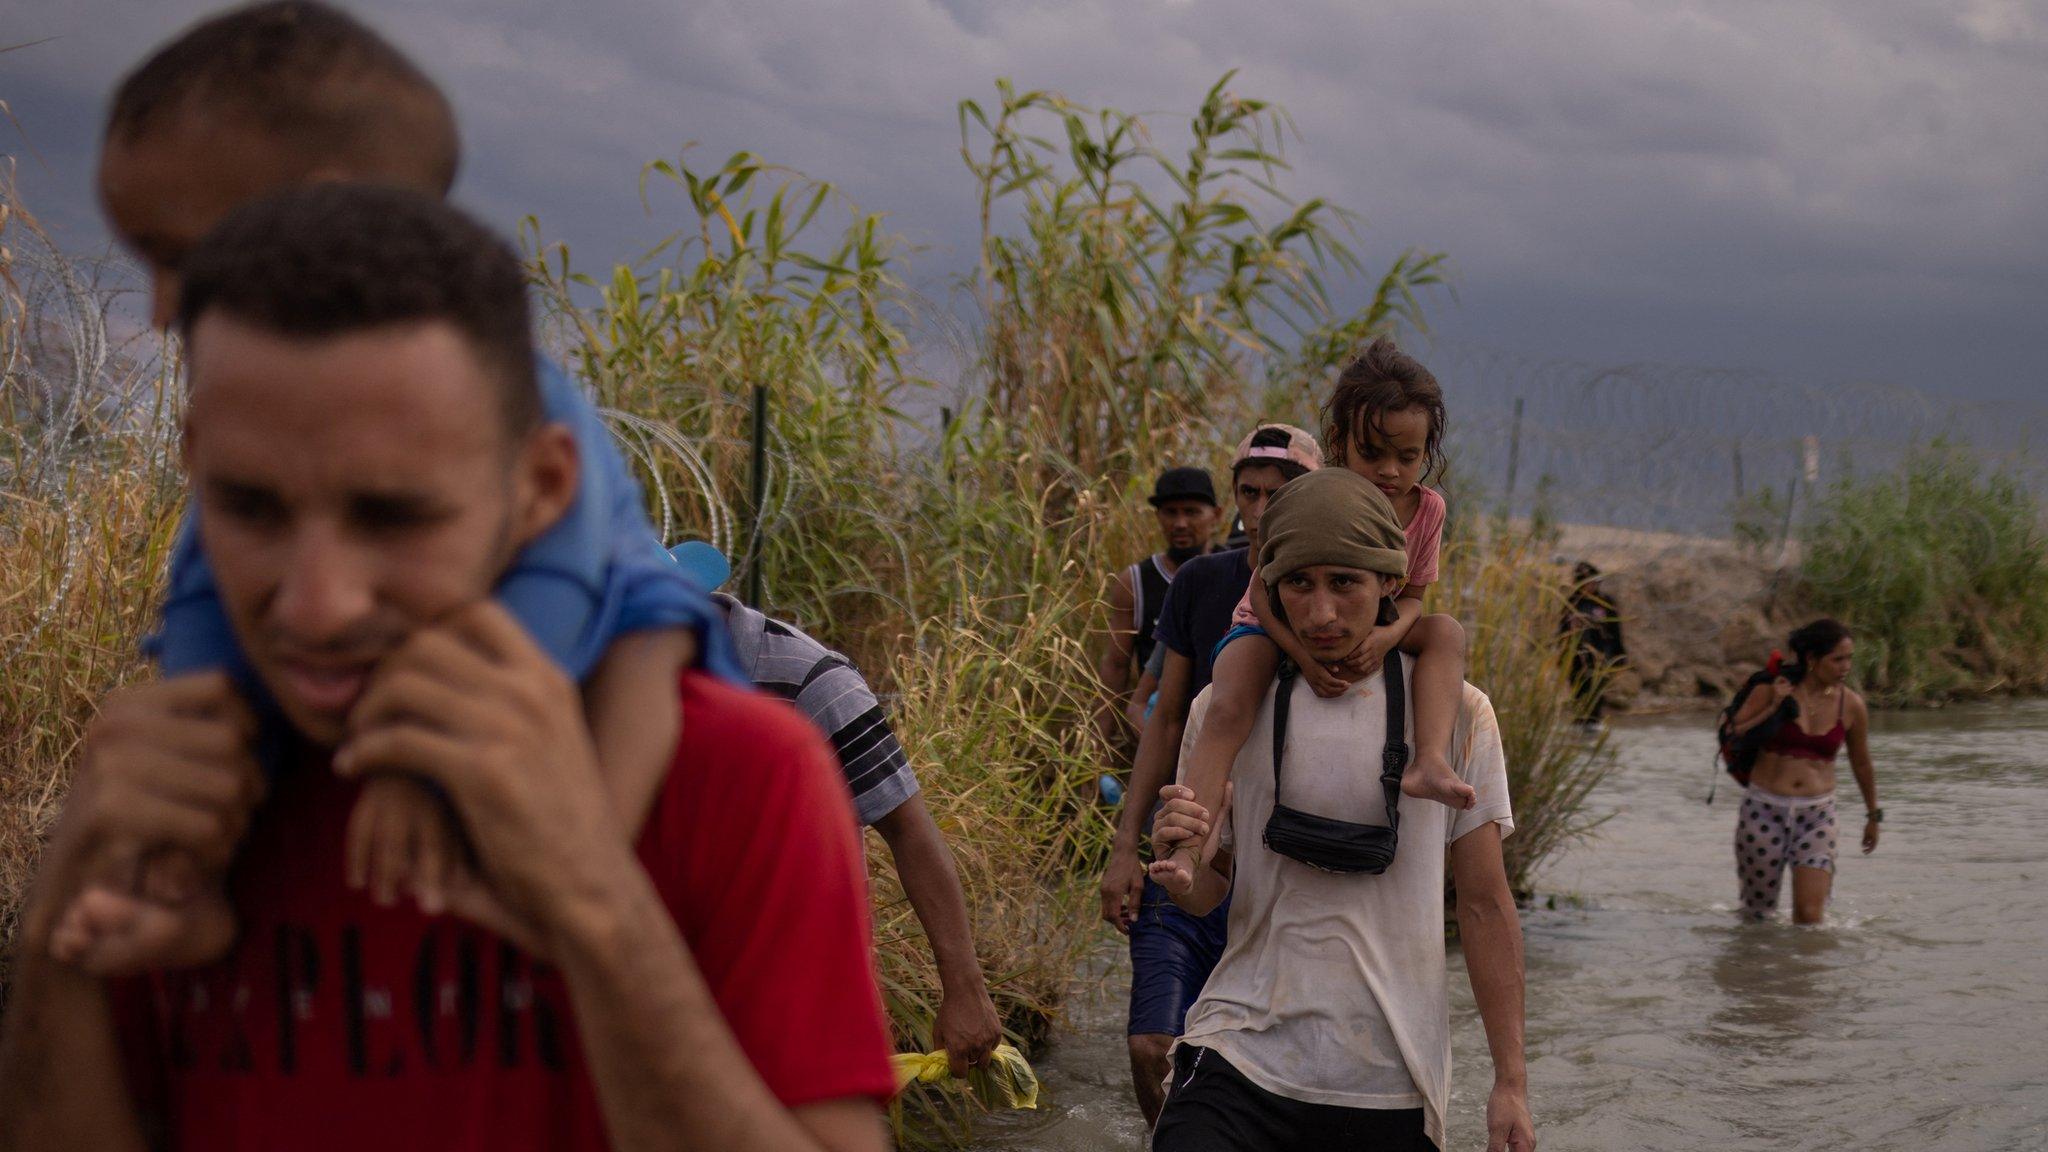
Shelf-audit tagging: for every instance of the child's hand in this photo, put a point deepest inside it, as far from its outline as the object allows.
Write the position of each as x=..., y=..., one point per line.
x=1324, y=682
x=1368, y=656
x=402, y=839
x=1184, y=839
x=107, y=932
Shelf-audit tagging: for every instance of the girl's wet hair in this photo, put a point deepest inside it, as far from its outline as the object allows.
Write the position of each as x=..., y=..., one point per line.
x=1817, y=639
x=1383, y=379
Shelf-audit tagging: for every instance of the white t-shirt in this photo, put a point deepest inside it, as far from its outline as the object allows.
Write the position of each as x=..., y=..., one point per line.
x=1284, y=1003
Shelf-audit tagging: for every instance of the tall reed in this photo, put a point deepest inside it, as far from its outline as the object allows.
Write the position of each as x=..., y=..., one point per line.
x=1509, y=597
x=1151, y=301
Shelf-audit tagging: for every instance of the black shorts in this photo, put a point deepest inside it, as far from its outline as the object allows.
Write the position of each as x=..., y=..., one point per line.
x=1211, y=1107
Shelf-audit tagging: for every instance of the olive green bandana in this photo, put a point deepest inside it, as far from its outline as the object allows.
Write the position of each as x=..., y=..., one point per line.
x=1330, y=516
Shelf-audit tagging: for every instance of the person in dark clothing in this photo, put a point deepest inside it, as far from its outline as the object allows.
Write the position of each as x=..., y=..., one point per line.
x=1593, y=621
x=1185, y=502
x=1172, y=951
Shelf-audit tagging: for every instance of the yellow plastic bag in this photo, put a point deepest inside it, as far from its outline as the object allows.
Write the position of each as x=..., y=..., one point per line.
x=1006, y=1081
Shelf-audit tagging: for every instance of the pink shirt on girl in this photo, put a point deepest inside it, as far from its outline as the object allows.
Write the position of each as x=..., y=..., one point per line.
x=1425, y=532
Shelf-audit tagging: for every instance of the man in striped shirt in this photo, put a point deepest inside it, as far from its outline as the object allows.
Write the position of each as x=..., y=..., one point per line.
x=826, y=687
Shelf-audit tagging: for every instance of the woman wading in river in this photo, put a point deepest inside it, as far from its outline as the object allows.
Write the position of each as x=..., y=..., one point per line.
x=1788, y=811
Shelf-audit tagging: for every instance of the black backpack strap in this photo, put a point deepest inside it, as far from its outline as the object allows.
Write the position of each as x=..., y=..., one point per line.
x=1394, y=758
x=1283, y=691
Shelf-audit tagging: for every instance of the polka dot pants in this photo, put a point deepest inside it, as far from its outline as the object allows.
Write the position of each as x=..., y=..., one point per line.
x=1776, y=831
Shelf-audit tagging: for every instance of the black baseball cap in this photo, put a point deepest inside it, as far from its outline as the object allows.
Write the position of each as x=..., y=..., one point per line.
x=1184, y=484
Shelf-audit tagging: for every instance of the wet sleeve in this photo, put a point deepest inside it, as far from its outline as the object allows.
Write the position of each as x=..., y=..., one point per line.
x=600, y=572
x=1477, y=755
x=192, y=632
x=838, y=700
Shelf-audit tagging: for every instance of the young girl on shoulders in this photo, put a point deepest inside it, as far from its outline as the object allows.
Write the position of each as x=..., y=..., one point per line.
x=1384, y=421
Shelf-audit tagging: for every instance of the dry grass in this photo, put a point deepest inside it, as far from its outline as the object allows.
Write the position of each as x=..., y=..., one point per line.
x=88, y=502
x=1509, y=598
x=995, y=718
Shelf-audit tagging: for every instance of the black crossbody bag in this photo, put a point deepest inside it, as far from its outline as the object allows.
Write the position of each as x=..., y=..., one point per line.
x=1339, y=845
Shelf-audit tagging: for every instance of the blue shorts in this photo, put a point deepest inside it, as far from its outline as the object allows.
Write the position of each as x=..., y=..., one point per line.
x=1237, y=632
x=1172, y=954
x=598, y=574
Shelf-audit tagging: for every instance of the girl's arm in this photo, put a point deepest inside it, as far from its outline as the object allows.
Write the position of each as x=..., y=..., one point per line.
x=1244, y=672
x=1407, y=609
x=1387, y=637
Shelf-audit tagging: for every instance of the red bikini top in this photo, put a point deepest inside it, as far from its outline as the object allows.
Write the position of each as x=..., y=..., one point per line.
x=1792, y=740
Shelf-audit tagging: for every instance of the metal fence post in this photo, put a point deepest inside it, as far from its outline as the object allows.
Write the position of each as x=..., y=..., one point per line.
x=1785, y=532
x=758, y=491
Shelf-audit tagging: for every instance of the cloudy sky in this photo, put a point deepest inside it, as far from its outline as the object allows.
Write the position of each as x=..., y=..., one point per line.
x=1825, y=191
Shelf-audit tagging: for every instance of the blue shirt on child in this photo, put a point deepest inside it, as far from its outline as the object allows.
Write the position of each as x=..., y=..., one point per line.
x=597, y=574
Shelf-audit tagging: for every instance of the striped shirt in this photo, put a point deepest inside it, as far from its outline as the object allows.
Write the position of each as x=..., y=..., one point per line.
x=827, y=688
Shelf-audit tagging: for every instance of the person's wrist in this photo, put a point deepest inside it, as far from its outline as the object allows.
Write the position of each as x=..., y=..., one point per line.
x=591, y=900
x=961, y=980
x=56, y=882
x=598, y=925
x=38, y=921
x=1517, y=1082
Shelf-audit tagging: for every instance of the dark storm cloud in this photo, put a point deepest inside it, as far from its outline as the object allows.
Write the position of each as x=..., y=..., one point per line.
x=1823, y=190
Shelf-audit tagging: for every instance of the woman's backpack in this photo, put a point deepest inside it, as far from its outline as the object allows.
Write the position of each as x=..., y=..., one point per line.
x=1738, y=751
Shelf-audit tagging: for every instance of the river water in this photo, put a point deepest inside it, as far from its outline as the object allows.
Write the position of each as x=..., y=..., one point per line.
x=1916, y=1017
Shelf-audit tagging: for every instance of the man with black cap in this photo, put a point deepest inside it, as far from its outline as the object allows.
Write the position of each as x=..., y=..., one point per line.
x=1185, y=502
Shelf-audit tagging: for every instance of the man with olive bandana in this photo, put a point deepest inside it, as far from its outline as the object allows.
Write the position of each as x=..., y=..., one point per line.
x=1326, y=1022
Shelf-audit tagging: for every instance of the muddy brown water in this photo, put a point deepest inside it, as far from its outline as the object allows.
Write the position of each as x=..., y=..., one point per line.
x=1916, y=1017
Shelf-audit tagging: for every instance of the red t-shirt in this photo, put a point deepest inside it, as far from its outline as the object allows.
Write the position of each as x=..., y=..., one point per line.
x=338, y=1024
